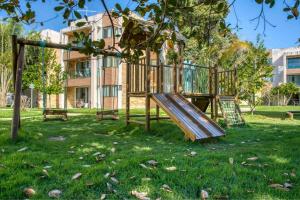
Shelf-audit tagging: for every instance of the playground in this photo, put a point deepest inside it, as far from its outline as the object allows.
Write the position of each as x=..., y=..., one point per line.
x=116, y=161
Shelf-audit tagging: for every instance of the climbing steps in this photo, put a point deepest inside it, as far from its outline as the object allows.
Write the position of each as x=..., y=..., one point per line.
x=231, y=111
x=193, y=122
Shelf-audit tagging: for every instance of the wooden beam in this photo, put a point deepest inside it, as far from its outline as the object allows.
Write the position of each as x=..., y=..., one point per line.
x=128, y=71
x=157, y=80
x=216, y=85
x=18, y=90
x=14, y=46
x=180, y=67
x=148, y=77
x=22, y=41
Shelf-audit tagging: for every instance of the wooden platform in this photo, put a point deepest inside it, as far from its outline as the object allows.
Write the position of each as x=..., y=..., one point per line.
x=60, y=114
x=107, y=115
x=194, y=123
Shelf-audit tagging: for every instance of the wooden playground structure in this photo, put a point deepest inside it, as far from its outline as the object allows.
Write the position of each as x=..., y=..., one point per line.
x=184, y=91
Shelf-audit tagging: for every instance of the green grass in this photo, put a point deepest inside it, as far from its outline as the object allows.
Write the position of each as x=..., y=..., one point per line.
x=267, y=136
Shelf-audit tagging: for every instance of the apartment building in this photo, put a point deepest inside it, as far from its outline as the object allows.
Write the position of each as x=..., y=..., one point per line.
x=93, y=80
x=286, y=62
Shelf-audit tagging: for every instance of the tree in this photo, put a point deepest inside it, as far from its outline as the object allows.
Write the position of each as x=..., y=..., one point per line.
x=5, y=58
x=284, y=92
x=54, y=76
x=253, y=71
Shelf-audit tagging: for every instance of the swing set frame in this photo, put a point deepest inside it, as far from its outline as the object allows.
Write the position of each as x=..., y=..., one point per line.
x=18, y=60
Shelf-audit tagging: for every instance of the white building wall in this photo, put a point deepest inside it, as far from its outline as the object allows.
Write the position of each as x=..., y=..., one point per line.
x=279, y=62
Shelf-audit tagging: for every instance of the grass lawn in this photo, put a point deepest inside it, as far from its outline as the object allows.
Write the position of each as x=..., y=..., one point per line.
x=94, y=149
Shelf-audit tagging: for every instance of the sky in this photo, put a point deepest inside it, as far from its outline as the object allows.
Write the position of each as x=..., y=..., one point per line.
x=285, y=34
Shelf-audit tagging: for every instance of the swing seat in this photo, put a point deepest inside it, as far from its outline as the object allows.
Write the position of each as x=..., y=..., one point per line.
x=60, y=114
x=107, y=114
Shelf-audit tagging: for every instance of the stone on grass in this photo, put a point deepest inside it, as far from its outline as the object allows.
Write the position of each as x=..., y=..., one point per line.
x=167, y=188
x=252, y=159
x=23, y=149
x=231, y=161
x=140, y=195
x=152, y=162
x=103, y=196
x=172, y=168
x=114, y=180
x=204, y=194
x=54, y=193
x=29, y=192
x=76, y=176
x=57, y=138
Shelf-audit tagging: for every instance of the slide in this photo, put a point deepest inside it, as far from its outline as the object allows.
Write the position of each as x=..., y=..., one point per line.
x=193, y=122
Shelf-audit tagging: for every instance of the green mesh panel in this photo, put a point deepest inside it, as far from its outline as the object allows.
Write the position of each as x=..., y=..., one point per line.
x=231, y=112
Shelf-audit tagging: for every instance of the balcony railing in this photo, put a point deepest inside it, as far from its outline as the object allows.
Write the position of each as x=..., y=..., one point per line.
x=85, y=73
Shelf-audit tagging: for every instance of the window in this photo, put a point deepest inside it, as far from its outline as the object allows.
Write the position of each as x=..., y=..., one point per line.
x=107, y=32
x=82, y=97
x=111, y=90
x=294, y=79
x=293, y=63
x=110, y=61
x=83, y=69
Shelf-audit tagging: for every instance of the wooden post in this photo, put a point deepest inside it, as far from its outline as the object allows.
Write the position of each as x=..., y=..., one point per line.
x=210, y=82
x=180, y=75
x=157, y=81
x=175, y=77
x=128, y=71
x=216, y=92
x=148, y=77
x=18, y=90
x=14, y=48
x=235, y=81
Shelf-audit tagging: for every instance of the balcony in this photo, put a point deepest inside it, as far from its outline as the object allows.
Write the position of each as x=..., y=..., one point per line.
x=79, y=78
x=84, y=73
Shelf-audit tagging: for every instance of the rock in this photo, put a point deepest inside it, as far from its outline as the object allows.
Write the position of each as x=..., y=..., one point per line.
x=193, y=153
x=29, y=192
x=76, y=176
x=252, y=159
x=166, y=188
x=103, y=196
x=204, y=194
x=278, y=187
x=288, y=185
x=109, y=187
x=54, y=193
x=57, y=138
x=231, y=161
x=45, y=172
x=96, y=154
x=172, y=168
x=106, y=175
x=113, y=150
x=152, y=162
x=114, y=180
x=89, y=183
x=140, y=195
x=23, y=149
x=146, y=179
